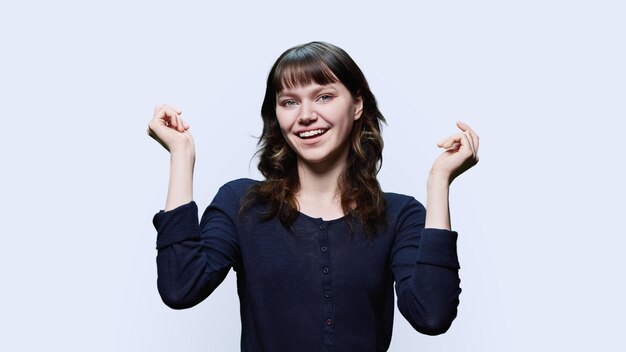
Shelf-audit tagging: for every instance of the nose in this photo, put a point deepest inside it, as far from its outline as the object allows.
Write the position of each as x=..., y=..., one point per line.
x=307, y=114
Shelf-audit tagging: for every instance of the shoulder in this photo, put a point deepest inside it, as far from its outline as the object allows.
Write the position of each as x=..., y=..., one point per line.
x=397, y=201
x=231, y=193
x=402, y=208
x=240, y=186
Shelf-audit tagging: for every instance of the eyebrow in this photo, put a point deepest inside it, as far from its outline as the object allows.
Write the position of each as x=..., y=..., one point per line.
x=313, y=92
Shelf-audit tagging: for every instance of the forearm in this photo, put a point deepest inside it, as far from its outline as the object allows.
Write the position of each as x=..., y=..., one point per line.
x=180, y=189
x=184, y=275
x=189, y=266
x=430, y=302
x=428, y=287
x=437, y=203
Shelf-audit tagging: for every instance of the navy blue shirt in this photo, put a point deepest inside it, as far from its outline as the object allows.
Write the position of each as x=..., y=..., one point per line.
x=317, y=287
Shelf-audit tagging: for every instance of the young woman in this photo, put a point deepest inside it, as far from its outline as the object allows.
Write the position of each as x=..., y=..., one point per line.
x=317, y=245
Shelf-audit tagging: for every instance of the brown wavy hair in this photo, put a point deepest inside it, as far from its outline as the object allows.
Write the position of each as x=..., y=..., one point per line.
x=361, y=196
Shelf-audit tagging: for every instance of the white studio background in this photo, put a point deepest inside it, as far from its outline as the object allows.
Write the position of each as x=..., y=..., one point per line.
x=539, y=218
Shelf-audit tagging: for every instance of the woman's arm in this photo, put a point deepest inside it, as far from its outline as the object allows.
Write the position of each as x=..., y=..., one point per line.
x=193, y=258
x=425, y=268
x=180, y=189
x=438, y=213
x=424, y=258
x=168, y=128
x=460, y=155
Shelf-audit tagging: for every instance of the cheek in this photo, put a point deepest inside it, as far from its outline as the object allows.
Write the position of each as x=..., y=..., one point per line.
x=342, y=113
x=285, y=125
x=344, y=117
x=282, y=121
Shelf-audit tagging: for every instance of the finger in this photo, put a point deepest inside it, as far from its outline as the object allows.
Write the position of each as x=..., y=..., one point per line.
x=172, y=118
x=179, y=123
x=459, y=141
x=449, y=142
x=462, y=125
x=469, y=141
x=178, y=111
x=164, y=115
x=159, y=119
x=475, y=140
x=158, y=113
x=467, y=131
x=466, y=140
x=474, y=137
x=442, y=143
x=160, y=109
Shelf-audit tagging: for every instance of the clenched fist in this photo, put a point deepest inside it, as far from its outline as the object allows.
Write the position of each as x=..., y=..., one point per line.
x=168, y=128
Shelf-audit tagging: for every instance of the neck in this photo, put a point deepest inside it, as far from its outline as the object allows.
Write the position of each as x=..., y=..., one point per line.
x=320, y=182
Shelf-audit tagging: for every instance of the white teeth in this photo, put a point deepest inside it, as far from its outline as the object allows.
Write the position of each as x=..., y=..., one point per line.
x=311, y=133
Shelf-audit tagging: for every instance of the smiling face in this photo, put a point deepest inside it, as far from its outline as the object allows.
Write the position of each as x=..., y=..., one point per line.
x=316, y=121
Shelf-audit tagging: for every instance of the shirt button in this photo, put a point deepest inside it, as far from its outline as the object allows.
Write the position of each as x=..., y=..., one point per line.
x=327, y=294
x=325, y=270
x=322, y=227
x=329, y=321
x=324, y=249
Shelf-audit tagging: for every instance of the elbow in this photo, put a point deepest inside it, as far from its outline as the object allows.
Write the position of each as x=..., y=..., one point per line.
x=183, y=294
x=175, y=301
x=176, y=297
x=434, y=327
x=432, y=317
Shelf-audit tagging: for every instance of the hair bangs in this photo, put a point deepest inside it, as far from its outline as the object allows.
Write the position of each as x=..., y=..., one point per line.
x=302, y=70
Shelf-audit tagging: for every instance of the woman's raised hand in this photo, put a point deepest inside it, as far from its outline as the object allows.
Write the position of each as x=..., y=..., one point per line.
x=460, y=155
x=168, y=128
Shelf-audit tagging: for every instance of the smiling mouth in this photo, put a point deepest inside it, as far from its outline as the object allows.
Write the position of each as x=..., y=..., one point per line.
x=312, y=133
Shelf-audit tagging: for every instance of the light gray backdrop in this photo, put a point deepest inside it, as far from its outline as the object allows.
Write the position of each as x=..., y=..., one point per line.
x=540, y=217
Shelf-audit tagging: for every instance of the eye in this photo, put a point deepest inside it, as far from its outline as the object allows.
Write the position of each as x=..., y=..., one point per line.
x=289, y=103
x=325, y=97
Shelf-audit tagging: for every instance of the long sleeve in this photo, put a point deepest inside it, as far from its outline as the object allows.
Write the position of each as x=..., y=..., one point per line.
x=425, y=268
x=194, y=258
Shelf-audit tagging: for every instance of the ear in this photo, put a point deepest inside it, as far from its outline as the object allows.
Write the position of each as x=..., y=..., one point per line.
x=358, y=107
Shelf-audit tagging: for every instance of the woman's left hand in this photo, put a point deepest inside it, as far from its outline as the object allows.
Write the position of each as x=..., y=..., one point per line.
x=460, y=155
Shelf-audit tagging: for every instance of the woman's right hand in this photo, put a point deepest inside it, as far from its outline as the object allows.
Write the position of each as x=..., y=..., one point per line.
x=168, y=128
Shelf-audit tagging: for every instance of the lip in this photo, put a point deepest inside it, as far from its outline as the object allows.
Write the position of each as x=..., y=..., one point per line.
x=297, y=133
x=311, y=140
x=323, y=129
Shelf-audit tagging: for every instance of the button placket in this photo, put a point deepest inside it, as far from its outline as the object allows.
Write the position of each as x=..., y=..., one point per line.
x=326, y=291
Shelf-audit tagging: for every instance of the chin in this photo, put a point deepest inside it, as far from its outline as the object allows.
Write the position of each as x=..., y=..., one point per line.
x=313, y=159
x=316, y=158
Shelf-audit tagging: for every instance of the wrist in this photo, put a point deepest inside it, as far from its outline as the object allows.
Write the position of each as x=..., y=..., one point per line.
x=437, y=188
x=438, y=179
x=183, y=151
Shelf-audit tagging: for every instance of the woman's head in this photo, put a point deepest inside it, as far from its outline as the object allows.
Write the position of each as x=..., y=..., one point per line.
x=319, y=63
x=322, y=64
